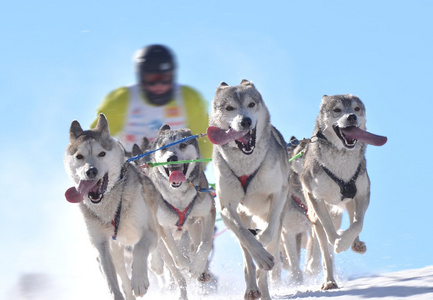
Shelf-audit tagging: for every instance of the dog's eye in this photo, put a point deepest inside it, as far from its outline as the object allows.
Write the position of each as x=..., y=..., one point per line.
x=357, y=108
x=182, y=146
x=102, y=154
x=79, y=156
x=229, y=108
x=252, y=104
x=337, y=110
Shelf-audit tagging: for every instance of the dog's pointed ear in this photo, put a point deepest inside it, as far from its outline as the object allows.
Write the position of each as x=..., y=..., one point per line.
x=246, y=82
x=352, y=96
x=136, y=150
x=75, y=131
x=144, y=144
x=324, y=98
x=102, y=125
x=163, y=128
x=222, y=86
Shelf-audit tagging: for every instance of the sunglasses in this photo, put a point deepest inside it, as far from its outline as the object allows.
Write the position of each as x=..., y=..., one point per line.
x=155, y=79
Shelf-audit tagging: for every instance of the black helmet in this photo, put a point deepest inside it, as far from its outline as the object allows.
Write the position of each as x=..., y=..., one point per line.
x=155, y=59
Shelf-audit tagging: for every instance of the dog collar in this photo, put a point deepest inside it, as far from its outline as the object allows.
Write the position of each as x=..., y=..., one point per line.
x=182, y=215
x=347, y=189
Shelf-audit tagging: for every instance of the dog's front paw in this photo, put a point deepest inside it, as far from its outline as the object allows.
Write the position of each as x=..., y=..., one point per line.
x=252, y=295
x=343, y=242
x=140, y=284
x=341, y=245
x=263, y=258
x=330, y=285
x=346, y=239
x=205, y=277
x=197, y=267
x=359, y=247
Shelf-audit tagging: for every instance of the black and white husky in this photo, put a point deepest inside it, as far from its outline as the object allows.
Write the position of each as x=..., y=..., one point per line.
x=334, y=176
x=114, y=199
x=297, y=229
x=251, y=168
x=186, y=212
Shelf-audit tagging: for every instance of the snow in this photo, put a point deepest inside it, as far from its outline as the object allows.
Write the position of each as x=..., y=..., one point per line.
x=406, y=284
x=77, y=277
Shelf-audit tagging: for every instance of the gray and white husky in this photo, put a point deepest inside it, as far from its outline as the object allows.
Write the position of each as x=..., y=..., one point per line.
x=251, y=169
x=297, y=229
x=335, y=176
x=186, y=211
x=114, y=200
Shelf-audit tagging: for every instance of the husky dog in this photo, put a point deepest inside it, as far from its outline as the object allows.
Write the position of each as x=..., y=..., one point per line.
x=296, y=227
x=113, y=199
x=251, y=169
x=335, y=176
x=186, y=211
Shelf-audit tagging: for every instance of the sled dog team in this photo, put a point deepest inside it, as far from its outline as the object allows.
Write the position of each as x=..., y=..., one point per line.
x=164, y=216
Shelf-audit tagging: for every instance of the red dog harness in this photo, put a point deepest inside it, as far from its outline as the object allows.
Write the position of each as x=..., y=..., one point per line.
x=246, y=179
x=182, y=215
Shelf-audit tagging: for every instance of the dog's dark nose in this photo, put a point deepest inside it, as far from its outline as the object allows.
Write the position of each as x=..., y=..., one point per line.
x=92, y=172
x=246, y=123
x=172, y=158
x=351, y=118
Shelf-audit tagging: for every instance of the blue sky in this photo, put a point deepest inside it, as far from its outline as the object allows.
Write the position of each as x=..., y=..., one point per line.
x=59, y=60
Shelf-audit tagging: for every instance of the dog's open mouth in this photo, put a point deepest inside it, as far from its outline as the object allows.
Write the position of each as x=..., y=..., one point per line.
x=245, y=139
x=348, y=141
x=247, y=143
x=96, y=194
x=350, y=135
x=218, y=136
x=176, y=174
x=94, y=189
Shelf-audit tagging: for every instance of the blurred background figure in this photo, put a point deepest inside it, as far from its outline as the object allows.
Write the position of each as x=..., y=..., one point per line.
x=139, y=110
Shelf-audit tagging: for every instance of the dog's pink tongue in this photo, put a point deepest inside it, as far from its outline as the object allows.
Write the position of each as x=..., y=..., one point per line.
x=176, y=176
x=219, y=136
x=75, y=196
x=364, y=136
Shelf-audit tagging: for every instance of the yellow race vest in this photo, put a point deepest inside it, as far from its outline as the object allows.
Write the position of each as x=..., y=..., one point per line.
x=144, y=119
